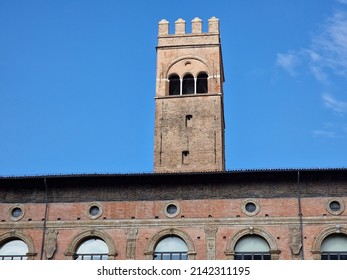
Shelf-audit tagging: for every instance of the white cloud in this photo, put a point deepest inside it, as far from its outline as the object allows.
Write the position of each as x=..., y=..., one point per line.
x=342, y=1
x=334, y=104
x=288, y=61
x=327, y=53
x=330, y=46
x=324, y=133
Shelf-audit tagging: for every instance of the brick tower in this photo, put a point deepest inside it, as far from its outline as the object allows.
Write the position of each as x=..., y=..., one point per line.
x=189, y=116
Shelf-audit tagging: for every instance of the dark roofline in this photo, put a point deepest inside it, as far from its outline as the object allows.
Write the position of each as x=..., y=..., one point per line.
x=158, y=174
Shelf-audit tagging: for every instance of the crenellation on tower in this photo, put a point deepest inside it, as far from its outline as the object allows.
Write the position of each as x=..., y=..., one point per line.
x=163, y=28
x=180, y=27
x=213, y=25
x=196, y=26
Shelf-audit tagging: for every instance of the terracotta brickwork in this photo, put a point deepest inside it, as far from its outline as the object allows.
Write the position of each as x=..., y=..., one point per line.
x=190, y=195
x=196, y=218
x=189, y=128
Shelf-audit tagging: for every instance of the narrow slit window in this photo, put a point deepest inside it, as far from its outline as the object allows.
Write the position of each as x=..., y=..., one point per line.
x=189, y=120
x=201, y=83
x=188, y=84
x=185, y=157
x=174, y=85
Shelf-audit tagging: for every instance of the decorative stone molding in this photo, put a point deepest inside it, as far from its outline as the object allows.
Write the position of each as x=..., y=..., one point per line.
x=169, y=232
x=20, y=215
x=211, y=242
x=274, y=251
x=15, y=235
x=77, y=240
x=322, y=235
x=246, y=211
x=89, y=210
x=166, y=209
x=131, y=234
x=295, y=241
x=50, y=242
x=335, y=200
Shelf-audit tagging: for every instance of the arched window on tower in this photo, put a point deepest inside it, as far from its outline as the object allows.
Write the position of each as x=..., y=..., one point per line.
x=13, y=250
x=188, y=84
x=174, y=85
x=334, y=247
x=92, y=249
x=201, y=83
x=252, y=247
x=171, y=248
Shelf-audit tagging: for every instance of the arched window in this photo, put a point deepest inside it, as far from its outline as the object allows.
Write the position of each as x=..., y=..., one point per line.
x=252, y=247
x=92, y=249
x=171, y=248
x=174, y=85
x=201, y=83
x=334, y=247
x=13, y=250
x=188, y=84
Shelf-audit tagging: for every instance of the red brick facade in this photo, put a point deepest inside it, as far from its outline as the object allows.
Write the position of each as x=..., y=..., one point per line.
x=293, y=211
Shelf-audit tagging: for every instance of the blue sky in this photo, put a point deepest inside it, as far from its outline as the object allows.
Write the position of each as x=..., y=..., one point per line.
x=77, y=83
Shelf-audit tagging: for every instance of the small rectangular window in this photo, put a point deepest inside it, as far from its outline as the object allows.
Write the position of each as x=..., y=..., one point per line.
x=185, y=157
x=189, y=120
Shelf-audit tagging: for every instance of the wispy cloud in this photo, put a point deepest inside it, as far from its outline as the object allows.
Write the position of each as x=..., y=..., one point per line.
x=327, y=52
x=332, y=103
x=288, y=61
x=324, y=133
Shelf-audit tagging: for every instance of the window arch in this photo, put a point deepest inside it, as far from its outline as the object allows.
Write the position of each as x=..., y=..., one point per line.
x=252, y=247
x=15, y=249
x=94, y=243
x=92, y=249
x=171, y=248
x=174, y=85
x=188, y=86
x=272, y=248
x=159, y=236
x=18, y=243
x=201, y=83
x=334, y=247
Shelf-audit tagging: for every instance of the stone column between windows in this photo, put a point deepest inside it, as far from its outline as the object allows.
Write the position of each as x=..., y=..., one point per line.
x=131, y=234
x=210, y=233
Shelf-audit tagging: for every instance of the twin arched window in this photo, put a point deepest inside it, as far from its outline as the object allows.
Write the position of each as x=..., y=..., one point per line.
x=188, y=85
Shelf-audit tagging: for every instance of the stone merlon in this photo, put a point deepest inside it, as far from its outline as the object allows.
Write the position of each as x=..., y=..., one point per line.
x=180, y=26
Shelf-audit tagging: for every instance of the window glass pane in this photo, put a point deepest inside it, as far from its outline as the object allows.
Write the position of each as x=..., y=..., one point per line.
x=14, y=247
x=171, y=244
x=188, y=84
x=93, y=246
x=252, y=243
x=174, y=85
x=201, y=86
x=171, y=248
x=335, y=243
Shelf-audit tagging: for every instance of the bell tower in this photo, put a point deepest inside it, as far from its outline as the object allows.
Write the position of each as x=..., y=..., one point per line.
x=189, y=116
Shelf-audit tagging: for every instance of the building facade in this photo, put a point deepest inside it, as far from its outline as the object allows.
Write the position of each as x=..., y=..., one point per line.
x=190, y=207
